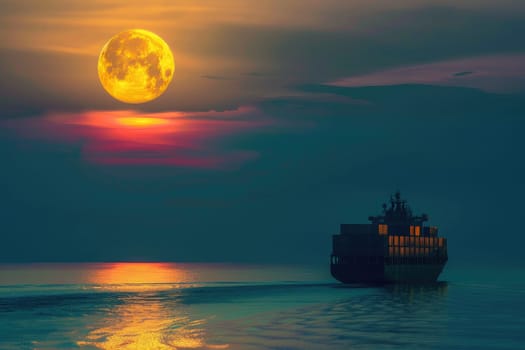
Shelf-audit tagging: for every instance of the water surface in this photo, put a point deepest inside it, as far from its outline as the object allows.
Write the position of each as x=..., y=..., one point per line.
x=228, y=306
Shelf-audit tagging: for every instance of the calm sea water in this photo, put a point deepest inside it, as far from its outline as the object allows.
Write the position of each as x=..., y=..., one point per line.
x=219, y=306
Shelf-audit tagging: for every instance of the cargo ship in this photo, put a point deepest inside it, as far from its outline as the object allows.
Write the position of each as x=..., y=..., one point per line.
x=394, y=247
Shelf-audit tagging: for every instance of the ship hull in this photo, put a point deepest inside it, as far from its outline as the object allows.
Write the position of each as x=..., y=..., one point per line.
x=386, y=273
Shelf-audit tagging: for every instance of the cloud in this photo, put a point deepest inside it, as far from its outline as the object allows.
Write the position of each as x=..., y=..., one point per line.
x=451, y=150
x=215, y=77
x=499, y=73
x=50, y=51
x=256, y=74
x=460, y=74
x=180, y=139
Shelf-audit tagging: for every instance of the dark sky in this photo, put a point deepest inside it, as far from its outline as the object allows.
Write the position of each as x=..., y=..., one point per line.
x=283, y=120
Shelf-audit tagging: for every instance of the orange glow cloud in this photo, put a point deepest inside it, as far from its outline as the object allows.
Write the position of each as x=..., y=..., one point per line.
x=182, y=139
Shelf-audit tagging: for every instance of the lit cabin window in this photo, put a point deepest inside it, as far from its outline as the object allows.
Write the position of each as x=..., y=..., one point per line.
x=390, y=240
x=402, y=251
x=411, y=230
x=396, y=240
x=383, y=229
x=440, y=240
x=418, y=231
x=401, y=240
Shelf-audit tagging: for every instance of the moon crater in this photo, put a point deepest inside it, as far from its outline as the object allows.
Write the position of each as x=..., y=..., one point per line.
x=135, y=66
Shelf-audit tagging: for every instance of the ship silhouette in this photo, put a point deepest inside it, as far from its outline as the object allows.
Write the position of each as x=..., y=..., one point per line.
x=393, y=247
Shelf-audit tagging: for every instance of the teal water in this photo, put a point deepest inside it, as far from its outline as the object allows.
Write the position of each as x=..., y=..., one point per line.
x=227, y=306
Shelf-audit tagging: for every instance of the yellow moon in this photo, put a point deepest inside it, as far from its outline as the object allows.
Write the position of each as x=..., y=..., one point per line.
x=135, y=66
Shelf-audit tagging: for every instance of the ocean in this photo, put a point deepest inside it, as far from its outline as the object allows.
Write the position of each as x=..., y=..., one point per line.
x=161, y=306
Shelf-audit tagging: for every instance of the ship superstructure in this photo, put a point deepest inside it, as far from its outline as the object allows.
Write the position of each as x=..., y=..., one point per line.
x=395, y=246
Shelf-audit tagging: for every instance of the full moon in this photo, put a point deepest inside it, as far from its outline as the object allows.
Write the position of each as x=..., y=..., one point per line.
x=135, y=66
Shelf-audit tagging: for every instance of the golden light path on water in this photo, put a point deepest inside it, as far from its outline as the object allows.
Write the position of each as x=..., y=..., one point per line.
x=144, y=320
x=138, y=276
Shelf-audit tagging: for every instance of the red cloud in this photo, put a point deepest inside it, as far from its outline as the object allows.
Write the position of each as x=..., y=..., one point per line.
x=183, y=139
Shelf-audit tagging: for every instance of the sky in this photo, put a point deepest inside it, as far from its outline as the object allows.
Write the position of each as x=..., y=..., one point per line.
x=283, y=120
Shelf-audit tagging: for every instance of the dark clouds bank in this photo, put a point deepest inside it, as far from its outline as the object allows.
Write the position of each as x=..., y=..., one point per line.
x=455, y=153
